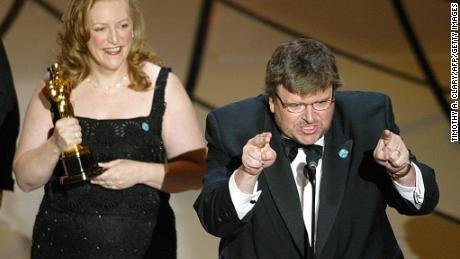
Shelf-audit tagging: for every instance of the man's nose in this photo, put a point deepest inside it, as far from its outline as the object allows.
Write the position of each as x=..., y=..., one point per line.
x=308, y=114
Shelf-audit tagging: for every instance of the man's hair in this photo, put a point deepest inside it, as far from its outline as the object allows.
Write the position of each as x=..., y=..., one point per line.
x=302, y=66
x=74, y=34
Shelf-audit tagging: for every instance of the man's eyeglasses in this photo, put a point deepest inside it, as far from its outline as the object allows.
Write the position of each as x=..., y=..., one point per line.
x=300, y=107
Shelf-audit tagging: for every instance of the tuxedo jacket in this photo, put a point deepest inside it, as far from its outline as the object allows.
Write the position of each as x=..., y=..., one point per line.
x=9, y=122
x=354, y=191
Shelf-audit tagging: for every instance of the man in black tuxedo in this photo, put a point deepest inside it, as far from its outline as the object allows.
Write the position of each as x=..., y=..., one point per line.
x=9, y=123
x=260, y=203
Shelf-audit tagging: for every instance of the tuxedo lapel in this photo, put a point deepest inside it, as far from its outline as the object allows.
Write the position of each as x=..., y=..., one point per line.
x=282, y=187
x=336, y=163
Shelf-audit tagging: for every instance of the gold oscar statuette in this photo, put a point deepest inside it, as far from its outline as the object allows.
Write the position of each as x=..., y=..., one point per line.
x=77, y=160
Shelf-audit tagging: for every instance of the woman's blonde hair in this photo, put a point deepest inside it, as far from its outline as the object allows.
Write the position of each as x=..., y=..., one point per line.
x=74, y=54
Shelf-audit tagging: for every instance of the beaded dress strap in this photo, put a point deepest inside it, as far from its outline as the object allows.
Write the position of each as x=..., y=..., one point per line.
x=158, y=104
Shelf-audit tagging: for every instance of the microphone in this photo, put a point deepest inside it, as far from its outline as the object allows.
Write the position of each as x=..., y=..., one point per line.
x=313, y=153
x=312, y=165
x=310, y=171
x=313, y=156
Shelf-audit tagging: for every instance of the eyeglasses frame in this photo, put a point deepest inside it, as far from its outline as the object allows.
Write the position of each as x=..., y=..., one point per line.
x=305, y=105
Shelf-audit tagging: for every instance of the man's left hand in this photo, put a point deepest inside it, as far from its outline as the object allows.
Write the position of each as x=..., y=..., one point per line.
x=392, y=153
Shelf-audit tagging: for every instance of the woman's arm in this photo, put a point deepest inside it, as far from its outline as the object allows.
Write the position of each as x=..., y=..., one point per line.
x=183, y=140
x=36, y=154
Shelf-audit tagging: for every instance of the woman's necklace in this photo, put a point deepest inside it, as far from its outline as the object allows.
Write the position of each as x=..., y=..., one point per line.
x=119, y=84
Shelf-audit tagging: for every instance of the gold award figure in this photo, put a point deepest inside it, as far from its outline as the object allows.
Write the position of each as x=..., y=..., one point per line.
x=77, y=160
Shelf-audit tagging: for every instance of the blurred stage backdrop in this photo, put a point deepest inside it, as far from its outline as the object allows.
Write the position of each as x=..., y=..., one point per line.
x=219, y=50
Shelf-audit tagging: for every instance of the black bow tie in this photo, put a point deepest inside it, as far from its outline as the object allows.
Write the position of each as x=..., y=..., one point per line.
x=291, y=148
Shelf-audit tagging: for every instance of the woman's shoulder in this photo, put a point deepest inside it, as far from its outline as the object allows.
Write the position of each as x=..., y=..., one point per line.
x=151, y=69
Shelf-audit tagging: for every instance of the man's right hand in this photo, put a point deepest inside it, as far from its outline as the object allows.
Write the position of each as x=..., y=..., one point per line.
x=257, y=155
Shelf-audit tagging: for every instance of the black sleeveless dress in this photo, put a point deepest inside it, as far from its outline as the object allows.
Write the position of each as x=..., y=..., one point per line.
x=89, y=221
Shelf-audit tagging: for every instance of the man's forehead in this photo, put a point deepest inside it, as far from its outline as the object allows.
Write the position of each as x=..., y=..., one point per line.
x=313, y=92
